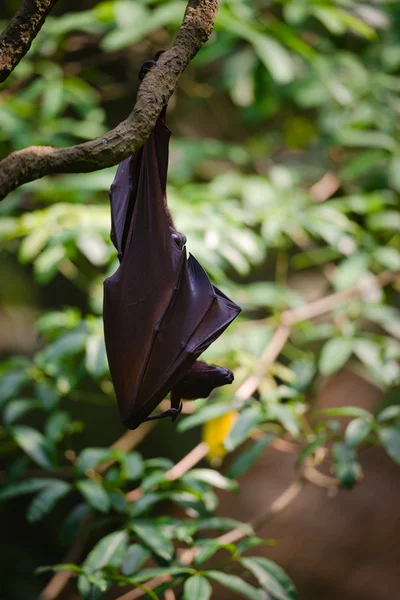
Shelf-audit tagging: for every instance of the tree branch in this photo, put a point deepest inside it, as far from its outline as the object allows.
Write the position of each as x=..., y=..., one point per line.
x=119, y=143
x=18, y=36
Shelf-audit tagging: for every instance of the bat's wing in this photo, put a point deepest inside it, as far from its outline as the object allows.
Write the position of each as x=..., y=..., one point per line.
x=160, y=309
x=120, y=194
x=123, y=190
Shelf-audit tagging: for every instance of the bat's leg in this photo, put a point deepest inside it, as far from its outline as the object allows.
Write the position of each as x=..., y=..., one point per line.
x=173, y=412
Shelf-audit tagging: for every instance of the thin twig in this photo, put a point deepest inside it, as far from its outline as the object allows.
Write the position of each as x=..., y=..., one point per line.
x=325, y=187
x=319, y=479
x=251, y=383
x=324, y=305
x=188, y=462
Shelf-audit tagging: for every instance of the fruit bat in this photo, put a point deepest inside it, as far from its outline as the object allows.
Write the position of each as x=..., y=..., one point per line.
x=160, y=309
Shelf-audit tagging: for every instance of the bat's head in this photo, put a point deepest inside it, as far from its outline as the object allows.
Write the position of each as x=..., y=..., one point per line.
x=201, y=379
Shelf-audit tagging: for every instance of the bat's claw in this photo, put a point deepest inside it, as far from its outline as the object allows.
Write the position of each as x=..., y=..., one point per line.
x=175, y=412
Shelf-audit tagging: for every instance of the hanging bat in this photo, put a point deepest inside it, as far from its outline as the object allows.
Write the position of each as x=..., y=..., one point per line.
x=160, y=309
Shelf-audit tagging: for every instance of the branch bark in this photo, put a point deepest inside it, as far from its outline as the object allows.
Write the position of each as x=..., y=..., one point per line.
x=18, y=36
x=157, y=87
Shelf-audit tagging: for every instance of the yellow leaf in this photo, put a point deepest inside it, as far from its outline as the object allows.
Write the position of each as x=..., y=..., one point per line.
x=215, y=432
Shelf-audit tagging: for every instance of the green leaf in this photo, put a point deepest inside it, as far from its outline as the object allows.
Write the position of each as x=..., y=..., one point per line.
x=94, y=494
x=57, y=425
x=343, y=411
x=197, y=588
x=146, y=502
x=157, y=572
x=32, y=244
x=252, y=542
x=134, y=558
x=153, y=480
x=47, y=396
x=390, y=439
x=236, y=585
x=247, y=458
x=213, y=478
x=356, y=431
x=144, y=23
x=96, y=358
x=285, y=415
x=46, y=500
x=118, y=501
x=206, y=549
x=368, y=352
x=110, y=550
x=355, y=23
x=334, y=355
x=267, y=581
x=275, y=57
x=46, y=265
x=89, y=458
x=52, y=99
x=73, y=521
x=159, y=463
x=350, y=271
x=25, y=487
x=132, y=465
x=208, y=412
x=69, y=344
x=155, y=539
x=278, y=575
x=388, y=220
x=388, y=257
x=345, y=464
x=60, y=567
x=34, y=444
x=388, y=413
x=11, y=382
x=394, y=172
x=221, y=523
x=17, y=409
x=247, y=420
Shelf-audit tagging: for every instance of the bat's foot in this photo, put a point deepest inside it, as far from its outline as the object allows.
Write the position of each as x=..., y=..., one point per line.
x=171, y=412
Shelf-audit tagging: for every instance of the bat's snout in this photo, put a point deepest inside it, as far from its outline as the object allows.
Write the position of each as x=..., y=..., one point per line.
x=227, y=376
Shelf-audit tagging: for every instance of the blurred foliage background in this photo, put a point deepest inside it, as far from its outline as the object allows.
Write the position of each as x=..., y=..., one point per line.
x=285, y=178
